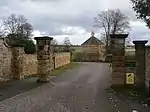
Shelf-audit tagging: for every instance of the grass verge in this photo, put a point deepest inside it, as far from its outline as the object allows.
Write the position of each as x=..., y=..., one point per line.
x=64, y=68
x=132, y=93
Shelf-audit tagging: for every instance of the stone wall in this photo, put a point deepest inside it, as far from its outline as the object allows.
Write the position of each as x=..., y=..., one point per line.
x=147, y=79
x=15, y=64
x=8, y=61
x=5, y=61
x=29, y=65
x=61, y=59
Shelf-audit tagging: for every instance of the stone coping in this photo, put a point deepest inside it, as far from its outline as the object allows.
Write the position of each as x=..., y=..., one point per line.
x=43, y=38
x=119, y=35
x=140, y=42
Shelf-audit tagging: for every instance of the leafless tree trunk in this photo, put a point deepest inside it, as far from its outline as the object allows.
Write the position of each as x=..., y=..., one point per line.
x=103, y=38
x=67, y=43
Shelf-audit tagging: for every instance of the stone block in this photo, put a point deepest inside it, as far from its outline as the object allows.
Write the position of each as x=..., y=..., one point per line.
x=130, y=69
x=118, y=75
x=118, y=52
x=118, y=63
x=118, y=58
x=117, y=81
x=118, y=69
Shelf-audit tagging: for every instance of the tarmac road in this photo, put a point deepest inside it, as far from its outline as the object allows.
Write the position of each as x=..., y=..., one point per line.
x=82, y=89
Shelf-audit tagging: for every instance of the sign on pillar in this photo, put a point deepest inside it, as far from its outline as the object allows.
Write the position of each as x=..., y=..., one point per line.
x=130, y=78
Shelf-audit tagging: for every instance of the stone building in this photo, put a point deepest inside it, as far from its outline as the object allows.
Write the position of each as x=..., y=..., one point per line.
x=93, y=49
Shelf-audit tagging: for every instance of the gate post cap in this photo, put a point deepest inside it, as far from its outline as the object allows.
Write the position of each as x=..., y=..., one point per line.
x=141, y=42
x=119, y=35
x=43, y=38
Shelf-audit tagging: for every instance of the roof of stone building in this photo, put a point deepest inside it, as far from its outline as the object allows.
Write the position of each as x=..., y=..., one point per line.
x=93, y=40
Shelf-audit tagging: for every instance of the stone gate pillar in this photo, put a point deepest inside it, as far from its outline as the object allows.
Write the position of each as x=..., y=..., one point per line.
x=140, y=63
x=44, y=58
x=17, y=61
x=117, y=45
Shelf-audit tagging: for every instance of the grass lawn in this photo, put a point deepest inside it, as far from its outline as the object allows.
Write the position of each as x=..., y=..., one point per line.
x=64, y=68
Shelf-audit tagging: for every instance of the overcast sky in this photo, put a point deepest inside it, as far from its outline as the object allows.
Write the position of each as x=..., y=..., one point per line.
x=70, y=18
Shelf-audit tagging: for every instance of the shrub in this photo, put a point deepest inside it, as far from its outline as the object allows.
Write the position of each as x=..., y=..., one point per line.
x=16, y=39
x=29, y=47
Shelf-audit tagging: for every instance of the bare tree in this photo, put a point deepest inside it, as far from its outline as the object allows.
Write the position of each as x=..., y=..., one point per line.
x=112, y=21
x=67, y=44
x=2, y=31
x=17, y=24
x=67, y=41
x=10, y=23
x=26, y=30
x=103, y=38
x=54, y=42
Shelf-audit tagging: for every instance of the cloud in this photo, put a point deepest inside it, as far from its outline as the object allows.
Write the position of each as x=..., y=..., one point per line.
x=139, y=31
x=73, y=18
x=77, y=39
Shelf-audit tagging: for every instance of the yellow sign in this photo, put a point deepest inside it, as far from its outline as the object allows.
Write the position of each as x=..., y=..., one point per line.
x=130, y=78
